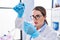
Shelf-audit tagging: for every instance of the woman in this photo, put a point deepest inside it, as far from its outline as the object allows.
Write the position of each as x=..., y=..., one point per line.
x=41, y=30
x=39, y=19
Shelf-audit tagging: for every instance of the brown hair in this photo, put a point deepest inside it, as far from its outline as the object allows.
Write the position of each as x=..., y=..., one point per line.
x=42, y=10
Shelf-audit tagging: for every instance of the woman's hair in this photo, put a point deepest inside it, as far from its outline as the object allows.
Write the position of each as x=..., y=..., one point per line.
x=42, y=10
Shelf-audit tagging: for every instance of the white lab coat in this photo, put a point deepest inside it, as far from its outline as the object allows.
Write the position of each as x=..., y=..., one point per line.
x=47, y=34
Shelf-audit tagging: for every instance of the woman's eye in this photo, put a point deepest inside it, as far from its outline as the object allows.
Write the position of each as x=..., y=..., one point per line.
x=33, y=16
x=37, y=15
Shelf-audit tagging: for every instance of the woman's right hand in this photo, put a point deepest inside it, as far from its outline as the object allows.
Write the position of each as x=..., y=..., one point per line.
x=20, y=9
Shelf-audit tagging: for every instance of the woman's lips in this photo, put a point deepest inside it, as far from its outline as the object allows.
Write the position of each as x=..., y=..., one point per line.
x=36, y=22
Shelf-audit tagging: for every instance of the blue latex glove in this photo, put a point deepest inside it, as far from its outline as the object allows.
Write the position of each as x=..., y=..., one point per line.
x=20, y=9
x=30, y=29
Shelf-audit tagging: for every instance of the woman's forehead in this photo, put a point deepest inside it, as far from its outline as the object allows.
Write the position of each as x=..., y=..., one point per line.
x=36, y=12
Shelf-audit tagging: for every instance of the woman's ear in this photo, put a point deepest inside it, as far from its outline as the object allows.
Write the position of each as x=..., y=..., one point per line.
x=45, y=17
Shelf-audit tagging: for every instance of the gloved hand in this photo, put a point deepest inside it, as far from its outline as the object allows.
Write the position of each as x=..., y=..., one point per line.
x=30, y=29
x=20, y=9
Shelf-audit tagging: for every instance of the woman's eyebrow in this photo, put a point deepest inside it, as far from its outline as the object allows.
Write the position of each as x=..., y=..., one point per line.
x=37, y=14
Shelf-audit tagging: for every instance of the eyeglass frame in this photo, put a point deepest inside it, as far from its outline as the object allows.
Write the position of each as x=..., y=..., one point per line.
x=36, y=17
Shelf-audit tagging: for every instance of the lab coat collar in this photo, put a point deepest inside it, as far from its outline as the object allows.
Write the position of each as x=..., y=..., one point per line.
x=43, y=27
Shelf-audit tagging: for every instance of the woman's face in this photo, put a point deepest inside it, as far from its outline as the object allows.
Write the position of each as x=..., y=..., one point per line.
x=38, y=18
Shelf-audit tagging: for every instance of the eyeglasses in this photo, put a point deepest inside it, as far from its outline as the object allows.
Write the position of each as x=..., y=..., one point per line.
x=36, y=17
